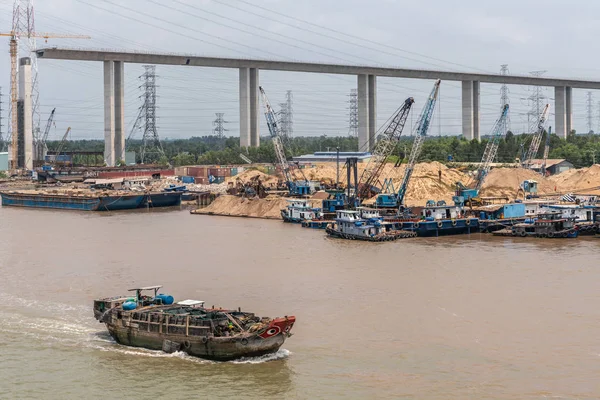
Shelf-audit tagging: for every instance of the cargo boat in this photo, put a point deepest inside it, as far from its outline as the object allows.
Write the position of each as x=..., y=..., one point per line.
x=155, y=322
x=162, y=199
x=299, y=210
x=438, y=219
x=364, y=225
x=546, y=225
x=89, y=202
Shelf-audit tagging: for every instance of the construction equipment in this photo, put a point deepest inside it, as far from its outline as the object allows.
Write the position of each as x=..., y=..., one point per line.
x=546, y=152
x=41, y=147
x=386, y=144
x=396, y=200
x=295, y=188
x=246, y=159
x=469, y=194
x=536, y=139
x=15, y=35
x=61, y=146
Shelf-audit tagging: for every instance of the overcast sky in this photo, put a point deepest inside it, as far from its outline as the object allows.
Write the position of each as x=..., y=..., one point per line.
x=464, y=35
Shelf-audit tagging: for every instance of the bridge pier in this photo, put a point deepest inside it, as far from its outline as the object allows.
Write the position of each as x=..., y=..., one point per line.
x=367, y=111
x=114, y=112
x=249, y=108
x=470, y=110
x=569, y=109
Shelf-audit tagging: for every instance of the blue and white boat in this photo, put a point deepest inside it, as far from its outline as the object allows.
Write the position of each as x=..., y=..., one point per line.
x=299, y=210
x=364, y=224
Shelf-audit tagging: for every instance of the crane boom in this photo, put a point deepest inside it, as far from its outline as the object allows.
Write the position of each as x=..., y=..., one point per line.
x=276, y=137
x=420, y=132
x=534, y=146
x=61, y=145
x=491, y=149
x=48, y=125
x=383, y=149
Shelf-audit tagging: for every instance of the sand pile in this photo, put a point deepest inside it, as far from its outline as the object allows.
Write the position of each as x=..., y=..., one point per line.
x=573, y=180
x=269, y=207
x=252, y=174
x=506, y=182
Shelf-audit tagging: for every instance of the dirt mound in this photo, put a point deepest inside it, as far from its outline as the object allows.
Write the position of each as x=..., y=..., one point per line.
x=252, y=174
x=507, y=181
x=573, y=180
x=269, y=207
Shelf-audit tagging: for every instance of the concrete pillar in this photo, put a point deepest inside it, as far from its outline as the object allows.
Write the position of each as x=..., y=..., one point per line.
x=363, y=113
x=119, y=110
x=254, y=109
x=25, y=84
x=476, y=133
x=244, y=107
x=560, y=112
x=372, y=87
x=569, y=109
x=109, y=113
x=467, y=109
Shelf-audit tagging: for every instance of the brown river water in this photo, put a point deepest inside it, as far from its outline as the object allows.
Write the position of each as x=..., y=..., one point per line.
x=463, y=317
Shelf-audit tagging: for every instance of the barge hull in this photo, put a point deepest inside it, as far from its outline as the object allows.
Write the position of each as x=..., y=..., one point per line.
x=49, y=201
x=167, y=199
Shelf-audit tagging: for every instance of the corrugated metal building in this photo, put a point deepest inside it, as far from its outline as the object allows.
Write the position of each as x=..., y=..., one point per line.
x=3, y=161
x=331, y=156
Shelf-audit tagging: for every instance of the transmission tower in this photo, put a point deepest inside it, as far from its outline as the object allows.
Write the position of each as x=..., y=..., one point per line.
x=286, y=115
x=353, y=114
x=151, y=147
x=537, y=102
x=23, y=24
x=504, y=99
x=590, y=112
x=219, y=125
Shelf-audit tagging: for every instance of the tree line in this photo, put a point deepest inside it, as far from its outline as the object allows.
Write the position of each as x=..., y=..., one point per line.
x=581, y=150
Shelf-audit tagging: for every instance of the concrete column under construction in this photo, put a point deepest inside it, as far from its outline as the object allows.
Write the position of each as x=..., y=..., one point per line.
x=109, y=113
x=372, y=86
x=476, y=133
x=244, y=107
x=569, y=109
x=25, y=87
x=119, y=79
x=467, y=109
x=254, y=108
x=363, y=113
x=560, y=112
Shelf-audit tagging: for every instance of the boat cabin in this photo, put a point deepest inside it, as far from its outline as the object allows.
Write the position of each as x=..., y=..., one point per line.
x=579, y=212
x=445, y=211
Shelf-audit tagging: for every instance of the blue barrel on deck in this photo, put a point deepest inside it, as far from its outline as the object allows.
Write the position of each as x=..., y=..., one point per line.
x=129, y=305
x=165, y=298
x=482, y=215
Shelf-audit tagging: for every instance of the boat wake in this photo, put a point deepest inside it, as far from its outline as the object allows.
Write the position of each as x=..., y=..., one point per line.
x=278, y=355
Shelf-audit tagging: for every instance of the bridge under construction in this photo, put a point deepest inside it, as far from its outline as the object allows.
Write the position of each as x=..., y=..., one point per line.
x=114, y=61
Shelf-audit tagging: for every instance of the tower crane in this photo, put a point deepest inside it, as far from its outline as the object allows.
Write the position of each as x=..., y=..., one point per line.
x=536, y=139
x=14, y=54
x=41, y=147
x=467, y=194
x=422, y=127
x=383, y=149
x=294, y=188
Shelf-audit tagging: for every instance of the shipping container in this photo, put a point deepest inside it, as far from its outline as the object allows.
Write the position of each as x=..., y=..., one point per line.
x=187, y=179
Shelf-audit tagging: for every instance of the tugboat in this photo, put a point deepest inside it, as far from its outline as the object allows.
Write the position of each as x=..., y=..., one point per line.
x=439, y=218
x=364, y=224
x=546, y=225
x=155, y=322
x=299, y=210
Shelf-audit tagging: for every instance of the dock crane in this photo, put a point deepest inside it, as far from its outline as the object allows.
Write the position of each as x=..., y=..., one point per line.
x=383, y=149
x=295, y=188
x=397, y=200
x=14, y=54
x=61, y=146
x=42, y=147
x=546, y=152
x=534, y=146
x=469, y=194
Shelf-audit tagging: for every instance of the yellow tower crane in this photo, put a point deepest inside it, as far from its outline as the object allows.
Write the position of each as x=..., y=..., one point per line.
x=14, y=53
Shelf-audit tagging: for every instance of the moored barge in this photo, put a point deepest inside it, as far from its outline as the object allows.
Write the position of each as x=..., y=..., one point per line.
x=365, y=225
